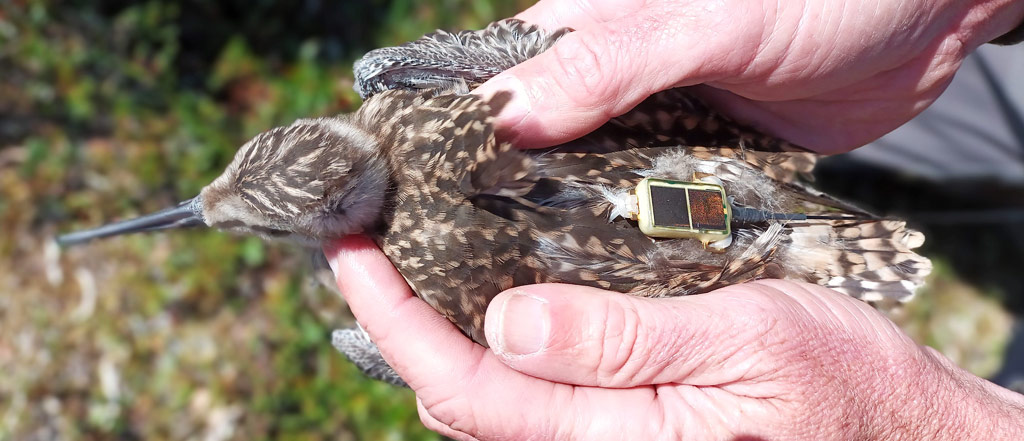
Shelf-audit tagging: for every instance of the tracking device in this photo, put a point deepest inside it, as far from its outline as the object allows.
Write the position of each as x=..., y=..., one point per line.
x=677, y=209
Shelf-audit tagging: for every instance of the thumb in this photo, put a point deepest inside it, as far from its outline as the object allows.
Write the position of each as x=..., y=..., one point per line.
x=586, y=78
x=586, y=336
x=608, y=67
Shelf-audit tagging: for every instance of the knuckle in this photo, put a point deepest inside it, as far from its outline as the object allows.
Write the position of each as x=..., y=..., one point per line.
x=623, y=349
x=448, y=413
x=585, y=68
x=430, y=422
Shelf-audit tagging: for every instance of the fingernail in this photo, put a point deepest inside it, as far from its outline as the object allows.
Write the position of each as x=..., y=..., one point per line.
x=332, y=259
x=525, y=325
x=516, y=109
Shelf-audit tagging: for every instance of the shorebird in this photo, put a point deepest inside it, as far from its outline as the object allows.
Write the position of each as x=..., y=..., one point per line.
x=464, y=215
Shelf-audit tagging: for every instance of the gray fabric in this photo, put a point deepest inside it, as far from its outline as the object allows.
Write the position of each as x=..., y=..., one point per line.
x=1012, y=374
x=974, y=131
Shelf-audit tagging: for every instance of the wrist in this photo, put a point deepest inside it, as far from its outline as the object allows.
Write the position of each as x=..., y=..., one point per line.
x=991, y=412
x=941, y=401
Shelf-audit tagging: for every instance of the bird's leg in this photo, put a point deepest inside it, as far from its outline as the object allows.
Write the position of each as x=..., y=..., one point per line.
x=356, y=345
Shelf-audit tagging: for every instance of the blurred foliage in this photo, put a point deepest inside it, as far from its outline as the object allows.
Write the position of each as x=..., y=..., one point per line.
x=109, y=109
x=967, y=324
x=113, y=108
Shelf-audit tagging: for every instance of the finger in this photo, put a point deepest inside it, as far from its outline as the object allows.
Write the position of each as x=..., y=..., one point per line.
x=840, y=119
x=606, y=68
x=572, y=88
x=463, y=389
x=415, y=340
x=587, y=336
x=454, y=378
x=434, y=424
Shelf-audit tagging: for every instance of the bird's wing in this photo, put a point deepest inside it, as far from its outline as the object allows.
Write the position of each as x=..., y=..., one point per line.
x=626, y=167
x=468, y=154
x=676, y=117
x=448, y=138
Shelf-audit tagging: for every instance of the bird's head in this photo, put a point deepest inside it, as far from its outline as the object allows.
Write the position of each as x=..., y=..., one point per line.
x=314, y=180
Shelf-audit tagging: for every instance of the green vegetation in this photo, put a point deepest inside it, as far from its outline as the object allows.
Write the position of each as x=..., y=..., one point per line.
x=109, y=109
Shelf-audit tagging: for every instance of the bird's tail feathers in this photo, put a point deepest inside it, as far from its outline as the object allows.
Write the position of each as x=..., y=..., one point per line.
x=872, y=260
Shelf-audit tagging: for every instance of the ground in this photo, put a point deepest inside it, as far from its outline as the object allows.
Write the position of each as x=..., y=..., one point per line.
x=110, y=109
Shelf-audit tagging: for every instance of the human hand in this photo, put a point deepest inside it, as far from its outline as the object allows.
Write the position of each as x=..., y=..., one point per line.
x=829, y=76
x=765, y=360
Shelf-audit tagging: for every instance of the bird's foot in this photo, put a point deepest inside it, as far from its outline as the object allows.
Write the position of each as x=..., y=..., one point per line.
x=445, y=60
x=356, y=345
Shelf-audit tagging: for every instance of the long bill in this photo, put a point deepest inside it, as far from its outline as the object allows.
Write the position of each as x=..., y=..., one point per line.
x=188, y=213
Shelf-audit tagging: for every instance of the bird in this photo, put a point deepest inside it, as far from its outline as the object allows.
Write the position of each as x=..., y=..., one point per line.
x=464, y=214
